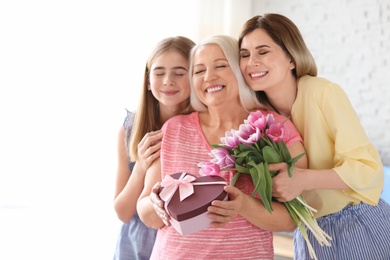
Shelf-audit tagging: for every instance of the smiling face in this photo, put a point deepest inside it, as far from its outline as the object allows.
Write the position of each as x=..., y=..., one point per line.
x=213, y=79
x=168, y=79
x=264, y=64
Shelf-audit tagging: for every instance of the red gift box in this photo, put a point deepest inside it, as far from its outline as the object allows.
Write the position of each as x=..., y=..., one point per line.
x=187, y=199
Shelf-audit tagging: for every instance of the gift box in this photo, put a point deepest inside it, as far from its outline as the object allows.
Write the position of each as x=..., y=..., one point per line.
x=187, y=198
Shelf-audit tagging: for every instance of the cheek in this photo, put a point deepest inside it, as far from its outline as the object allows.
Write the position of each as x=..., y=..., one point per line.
x=242, y=66
x=154, y=83
x=197, y=83
x=154, y=87
x=186, y=88
x=184, y=83
x=243, y=70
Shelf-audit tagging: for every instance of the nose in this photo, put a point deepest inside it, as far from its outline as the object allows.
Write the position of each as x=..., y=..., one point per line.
x=168, y=81
x=209, y=75
x=253, y=61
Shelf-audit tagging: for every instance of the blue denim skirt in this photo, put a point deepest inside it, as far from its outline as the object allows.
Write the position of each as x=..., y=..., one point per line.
x=135, y=241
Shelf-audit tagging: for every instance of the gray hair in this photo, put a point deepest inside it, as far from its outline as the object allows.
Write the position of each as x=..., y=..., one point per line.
x=229, y=46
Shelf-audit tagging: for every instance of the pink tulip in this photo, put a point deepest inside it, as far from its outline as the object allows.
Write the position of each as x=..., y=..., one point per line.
x=230, y=141
x=257, y=119
x=275, y=132
x=248, y=134
x=270, y=119
x=208, y=169
x=222, y=157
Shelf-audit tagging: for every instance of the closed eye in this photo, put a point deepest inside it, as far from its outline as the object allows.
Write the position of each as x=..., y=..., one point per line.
x=198, y=72
x=180, y=72
x=244, y=54
x=159, y=72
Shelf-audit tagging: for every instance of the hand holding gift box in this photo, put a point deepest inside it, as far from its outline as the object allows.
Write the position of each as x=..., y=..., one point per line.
x=187, y=199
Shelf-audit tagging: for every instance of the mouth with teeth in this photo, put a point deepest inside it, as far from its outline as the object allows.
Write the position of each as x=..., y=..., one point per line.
x=258, y=74
x=214, y=88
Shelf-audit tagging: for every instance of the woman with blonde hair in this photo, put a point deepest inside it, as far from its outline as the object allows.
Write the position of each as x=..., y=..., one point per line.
x=165, y=93
x=345, y=176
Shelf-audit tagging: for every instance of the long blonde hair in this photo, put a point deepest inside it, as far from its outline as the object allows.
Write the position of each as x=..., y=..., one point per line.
x=147, y=116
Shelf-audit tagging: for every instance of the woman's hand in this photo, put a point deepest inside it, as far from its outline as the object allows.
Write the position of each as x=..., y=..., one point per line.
x=149, y=149
x=285, y=188
x=252, y=209
x=222, y=212
x=158, y=204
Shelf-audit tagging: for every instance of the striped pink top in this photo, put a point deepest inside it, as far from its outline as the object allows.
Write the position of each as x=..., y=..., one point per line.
x=183, y=147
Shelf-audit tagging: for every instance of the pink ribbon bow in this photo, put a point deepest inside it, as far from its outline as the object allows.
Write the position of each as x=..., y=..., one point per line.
x=170, y=186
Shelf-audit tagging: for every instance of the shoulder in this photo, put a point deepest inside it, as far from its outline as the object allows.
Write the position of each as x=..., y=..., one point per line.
x=181, y=120
x=129, y=120
x=317, y=86
x=310, y=81
x=288, y=125
x=279, y=118
x=128, y=126
x=291, y=134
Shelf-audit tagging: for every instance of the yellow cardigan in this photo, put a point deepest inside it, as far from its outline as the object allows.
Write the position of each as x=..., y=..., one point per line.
x=335, y=139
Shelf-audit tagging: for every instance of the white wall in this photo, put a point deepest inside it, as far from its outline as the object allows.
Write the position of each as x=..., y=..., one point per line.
x=350, y=41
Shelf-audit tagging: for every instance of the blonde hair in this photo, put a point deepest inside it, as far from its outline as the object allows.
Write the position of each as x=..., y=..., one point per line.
x=229, y=46
x=147, y=116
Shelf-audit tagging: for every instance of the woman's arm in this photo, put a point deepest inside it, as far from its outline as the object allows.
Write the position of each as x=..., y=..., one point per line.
x=149, y=207
x=129, y=185
x=251, y=209
x=124, y=213
x=342, y=154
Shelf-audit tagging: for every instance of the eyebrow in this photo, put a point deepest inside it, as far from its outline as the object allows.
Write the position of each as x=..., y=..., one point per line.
x=174, y=68
x=216, y=60
x=257, y=47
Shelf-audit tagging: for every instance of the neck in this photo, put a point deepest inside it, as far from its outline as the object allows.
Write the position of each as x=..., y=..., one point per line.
x=283, y=97
x=167, y=112
x=215, y=122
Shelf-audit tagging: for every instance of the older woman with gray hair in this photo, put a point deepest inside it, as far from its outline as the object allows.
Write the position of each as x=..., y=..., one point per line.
x=241, y=227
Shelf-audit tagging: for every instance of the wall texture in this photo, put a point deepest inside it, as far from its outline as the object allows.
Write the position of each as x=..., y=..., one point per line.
x=350, y=41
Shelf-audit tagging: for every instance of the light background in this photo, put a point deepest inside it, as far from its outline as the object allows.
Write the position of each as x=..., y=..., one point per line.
x=68, y=70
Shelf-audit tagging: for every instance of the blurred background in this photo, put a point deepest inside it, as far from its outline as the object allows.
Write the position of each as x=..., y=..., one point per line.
x=68, y=70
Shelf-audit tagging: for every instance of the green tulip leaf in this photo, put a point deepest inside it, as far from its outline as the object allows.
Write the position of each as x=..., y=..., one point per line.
x=270, y=155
